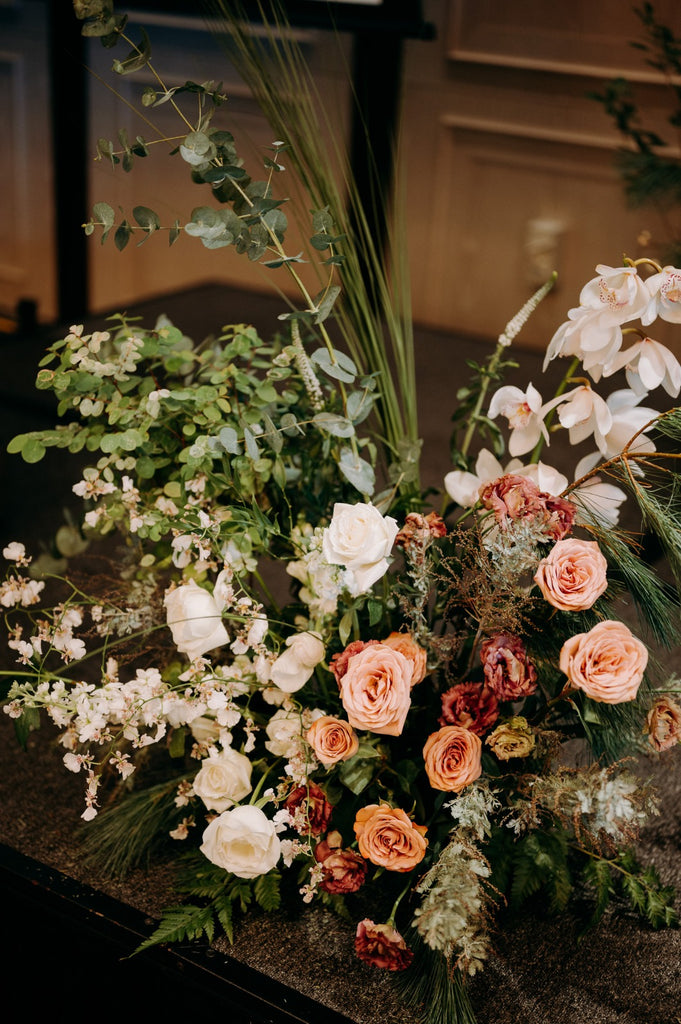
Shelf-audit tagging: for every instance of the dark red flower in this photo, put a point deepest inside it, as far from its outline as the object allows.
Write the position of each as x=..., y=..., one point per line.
x=339, y=662
x=471, y=705
x=508, y=670
x=344, y=870
x=309, y=809
x=381, y=945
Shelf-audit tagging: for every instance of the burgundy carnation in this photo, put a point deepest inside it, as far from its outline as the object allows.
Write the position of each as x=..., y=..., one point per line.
x=339, y=662
x=471, y=705
x=420, y=530
x=513, y=497
x=560, y=516
x=344, y=870
x=507, y=668
x=309, y=809
x=382, y=946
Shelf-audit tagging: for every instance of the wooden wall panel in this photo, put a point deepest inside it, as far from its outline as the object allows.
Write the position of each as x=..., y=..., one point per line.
x=26, y=198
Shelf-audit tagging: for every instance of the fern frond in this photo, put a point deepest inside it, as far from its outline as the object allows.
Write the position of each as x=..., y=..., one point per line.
x=181, y=924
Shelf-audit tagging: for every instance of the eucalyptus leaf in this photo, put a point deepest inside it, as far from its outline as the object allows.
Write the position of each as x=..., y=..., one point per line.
x=358, y=471
x=334, y=424
x=339, y=366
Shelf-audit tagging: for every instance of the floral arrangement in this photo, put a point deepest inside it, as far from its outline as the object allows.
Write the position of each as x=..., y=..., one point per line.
x=297, y=674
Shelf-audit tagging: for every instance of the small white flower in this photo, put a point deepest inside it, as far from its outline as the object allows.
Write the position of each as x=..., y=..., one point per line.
x=525, y=413
x=15, y=552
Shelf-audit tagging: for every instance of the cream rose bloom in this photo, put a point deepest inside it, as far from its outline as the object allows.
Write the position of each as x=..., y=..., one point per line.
x=376, y=689
x=243, y=841
x=361, y=539
x=573, y=575
x=607, y=663
x=194, y=618
x=223, y=779
x=284, y=733
x=293, y=668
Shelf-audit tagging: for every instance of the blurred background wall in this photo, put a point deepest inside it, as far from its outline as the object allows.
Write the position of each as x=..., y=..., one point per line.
x=509, y=166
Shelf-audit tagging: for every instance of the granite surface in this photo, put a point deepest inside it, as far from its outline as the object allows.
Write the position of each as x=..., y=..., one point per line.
x=620, y=973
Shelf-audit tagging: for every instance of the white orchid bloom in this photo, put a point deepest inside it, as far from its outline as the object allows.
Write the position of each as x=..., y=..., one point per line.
x=665, y=290
x=649, y=365
x=585, y=413
x=628, y=418
x=525, y=413
x=464, y=488
x=591, y=335
x=618, y=291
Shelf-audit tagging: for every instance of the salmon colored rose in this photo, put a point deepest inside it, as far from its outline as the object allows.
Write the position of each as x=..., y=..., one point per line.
x=389, y=838
x=607, y=663
x=332, y=740
x=452, y=756
x=573, y=575
x=663, y=724
x=375, y=690
x=406, y=645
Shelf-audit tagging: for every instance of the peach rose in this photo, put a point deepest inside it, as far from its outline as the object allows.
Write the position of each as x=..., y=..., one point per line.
x=375, y=690
x=452, y=756
x=332, y=740
x=663, y=724
x=573, y=575
x=406, y=645
x=389, y=838
x=607, y=663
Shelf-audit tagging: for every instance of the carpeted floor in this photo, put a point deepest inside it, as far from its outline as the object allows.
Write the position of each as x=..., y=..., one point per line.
x=621, y=973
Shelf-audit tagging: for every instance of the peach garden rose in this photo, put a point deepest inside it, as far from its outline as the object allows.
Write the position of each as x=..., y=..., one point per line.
x=388, y=837
x=406, y=645
x=376, y=690
x=452, y=756
x=573, y=575
x=607, y=663
x=332, y=740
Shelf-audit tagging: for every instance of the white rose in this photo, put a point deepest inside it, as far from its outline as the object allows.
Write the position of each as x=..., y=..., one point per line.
x=193, y=616
x=243, y=841
x=223, y=779
x=360, y=538
x=293, y=668
x=284, y=732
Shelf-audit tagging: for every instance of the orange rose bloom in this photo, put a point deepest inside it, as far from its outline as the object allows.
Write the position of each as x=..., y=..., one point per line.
x=389, y=838
x=332, y=740
x=607, y=663
x=453, y=758
x=406, y=645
